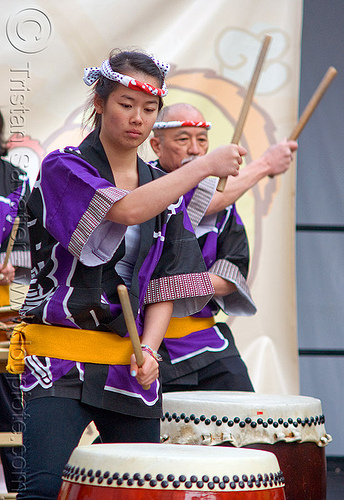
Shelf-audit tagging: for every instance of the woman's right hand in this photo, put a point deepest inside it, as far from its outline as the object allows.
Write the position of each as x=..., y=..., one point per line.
x=224, y=160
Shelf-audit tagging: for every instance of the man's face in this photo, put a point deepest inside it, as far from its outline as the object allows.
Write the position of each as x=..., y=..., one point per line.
x=176, y=146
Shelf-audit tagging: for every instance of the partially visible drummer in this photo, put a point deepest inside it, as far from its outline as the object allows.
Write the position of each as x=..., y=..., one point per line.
x=205, y=356
x=14, y=192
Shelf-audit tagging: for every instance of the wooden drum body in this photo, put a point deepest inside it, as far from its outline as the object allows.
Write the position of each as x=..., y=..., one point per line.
x=291, y=427
x=171, y=472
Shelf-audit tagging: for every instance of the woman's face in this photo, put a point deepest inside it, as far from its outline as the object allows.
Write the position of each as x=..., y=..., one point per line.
x=128, y=115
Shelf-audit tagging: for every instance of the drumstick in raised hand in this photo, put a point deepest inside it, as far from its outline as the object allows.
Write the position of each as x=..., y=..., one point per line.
x=10, y=243
x=247, y=102
x=131, y=325
x=312, y=104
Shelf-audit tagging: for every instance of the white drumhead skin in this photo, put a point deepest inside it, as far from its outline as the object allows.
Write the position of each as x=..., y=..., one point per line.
x=241, y=418
x=168, y=466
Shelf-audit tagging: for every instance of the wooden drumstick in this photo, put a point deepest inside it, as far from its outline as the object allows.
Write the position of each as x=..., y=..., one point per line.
x=247, y=102
x=312, y=104
x=131, y=325
x=10, y=243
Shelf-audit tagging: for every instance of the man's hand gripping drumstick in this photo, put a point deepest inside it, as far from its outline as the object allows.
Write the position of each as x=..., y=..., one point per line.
x=247, y=102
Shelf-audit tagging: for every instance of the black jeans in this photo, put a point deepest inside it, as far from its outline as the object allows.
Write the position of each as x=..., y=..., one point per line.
x=52, y=429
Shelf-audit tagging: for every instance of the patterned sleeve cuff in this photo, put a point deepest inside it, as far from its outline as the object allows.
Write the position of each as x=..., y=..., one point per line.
x=239, y=303
x=95, y=240
x=201, y=200
x=190, y=292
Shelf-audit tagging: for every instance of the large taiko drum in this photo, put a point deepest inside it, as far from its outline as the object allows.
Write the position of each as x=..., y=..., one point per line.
x=170, y=472
x=291, y=427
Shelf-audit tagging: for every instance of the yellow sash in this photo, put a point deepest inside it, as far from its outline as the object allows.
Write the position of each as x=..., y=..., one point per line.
x=85, y=346
x=88, y=346
x=4, y=295
x=180, y=327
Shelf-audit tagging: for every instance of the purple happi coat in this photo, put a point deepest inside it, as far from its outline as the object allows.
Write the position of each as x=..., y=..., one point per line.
x=74, y=281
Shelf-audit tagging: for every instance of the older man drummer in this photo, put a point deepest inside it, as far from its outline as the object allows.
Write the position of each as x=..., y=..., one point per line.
x=198, y=353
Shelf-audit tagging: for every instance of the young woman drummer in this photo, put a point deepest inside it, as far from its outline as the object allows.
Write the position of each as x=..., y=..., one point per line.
x=99, y=217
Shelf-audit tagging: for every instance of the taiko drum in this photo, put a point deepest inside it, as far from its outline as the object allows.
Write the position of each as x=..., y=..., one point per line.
x=291, y=427
x=170, y=472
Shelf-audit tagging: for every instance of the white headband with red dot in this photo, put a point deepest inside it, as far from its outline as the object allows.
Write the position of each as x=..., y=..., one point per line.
x=92, y=74
x=184, y=123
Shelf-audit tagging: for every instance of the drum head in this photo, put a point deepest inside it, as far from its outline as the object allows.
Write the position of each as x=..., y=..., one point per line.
x=241, y=418
x=173, y=467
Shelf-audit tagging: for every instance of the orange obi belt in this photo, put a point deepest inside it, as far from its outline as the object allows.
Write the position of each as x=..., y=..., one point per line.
x=4, y=295
x=84, y=346
x=180, y=327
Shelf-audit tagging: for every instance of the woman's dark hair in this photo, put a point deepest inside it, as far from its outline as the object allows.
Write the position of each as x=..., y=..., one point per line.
x=3, y=148
x=121, y=62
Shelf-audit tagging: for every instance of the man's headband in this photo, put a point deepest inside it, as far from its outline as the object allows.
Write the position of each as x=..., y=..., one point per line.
x=91, y=75
x=185, y=123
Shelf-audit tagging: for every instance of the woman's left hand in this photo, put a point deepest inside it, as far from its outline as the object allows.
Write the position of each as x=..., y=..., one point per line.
x=148, y=372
